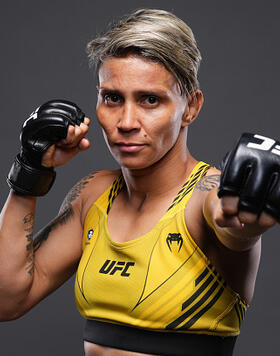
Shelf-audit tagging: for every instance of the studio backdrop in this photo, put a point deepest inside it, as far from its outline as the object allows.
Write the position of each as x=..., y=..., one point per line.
x=43, y=56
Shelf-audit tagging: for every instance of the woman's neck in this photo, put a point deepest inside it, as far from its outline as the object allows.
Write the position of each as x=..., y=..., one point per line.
x=162, y=178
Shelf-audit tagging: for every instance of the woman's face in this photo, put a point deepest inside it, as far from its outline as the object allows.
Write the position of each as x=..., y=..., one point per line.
x=140, y=110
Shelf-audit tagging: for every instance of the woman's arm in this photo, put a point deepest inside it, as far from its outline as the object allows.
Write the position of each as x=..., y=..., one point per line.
x=28, y=272
x=246, y=203
x=235, y=256
x=237, y=230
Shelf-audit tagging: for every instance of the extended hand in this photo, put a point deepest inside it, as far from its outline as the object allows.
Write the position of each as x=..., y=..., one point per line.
x=249, y=187
x=229, y=215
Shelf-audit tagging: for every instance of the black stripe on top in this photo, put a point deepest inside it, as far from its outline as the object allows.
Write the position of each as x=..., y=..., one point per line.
x=203, y=274
x=116, y=188
x=240, y=311
x=196, y=317
x=200, y=290
x=188, y=186
x=196, y=306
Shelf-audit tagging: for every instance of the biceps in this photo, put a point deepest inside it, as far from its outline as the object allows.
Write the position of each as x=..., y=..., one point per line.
x=43, y=235
x=57, y=250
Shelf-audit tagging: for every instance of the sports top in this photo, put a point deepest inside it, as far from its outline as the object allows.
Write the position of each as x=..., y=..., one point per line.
x=159, y=283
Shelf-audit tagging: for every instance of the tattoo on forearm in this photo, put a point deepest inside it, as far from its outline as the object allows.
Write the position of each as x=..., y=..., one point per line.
x=28, y=221
x=65, y=212
x=208, y=183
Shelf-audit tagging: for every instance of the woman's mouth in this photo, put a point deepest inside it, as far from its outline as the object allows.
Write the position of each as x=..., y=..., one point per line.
x=130, y=147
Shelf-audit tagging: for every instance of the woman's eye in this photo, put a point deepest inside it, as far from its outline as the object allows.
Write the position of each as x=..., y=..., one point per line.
x=151, y=100
x=112, y=98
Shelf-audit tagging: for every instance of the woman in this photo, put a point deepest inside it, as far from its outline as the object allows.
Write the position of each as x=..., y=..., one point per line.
x=164, y=267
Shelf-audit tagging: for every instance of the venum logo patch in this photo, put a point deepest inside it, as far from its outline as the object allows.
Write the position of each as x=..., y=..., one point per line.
x=116, y=266
x=174, y=237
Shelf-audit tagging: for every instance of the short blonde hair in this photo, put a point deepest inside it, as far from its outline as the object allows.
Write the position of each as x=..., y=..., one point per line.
x=157, y=35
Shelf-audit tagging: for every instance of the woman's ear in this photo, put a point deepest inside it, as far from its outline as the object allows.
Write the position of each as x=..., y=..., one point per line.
x=195, y=102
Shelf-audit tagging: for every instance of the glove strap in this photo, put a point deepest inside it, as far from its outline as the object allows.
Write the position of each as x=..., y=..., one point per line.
x=28, y=180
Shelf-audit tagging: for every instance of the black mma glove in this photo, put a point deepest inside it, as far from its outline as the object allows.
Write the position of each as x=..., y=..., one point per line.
x=252, y=172
x=47, y=125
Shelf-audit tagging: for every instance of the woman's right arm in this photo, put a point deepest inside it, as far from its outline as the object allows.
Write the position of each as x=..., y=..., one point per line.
x=16, y=252
x=29, y=270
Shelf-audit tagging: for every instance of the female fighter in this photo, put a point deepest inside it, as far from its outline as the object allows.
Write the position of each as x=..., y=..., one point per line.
x=165, y=260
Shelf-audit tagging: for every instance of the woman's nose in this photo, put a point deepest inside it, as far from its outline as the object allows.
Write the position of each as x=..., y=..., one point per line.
x=129, y=119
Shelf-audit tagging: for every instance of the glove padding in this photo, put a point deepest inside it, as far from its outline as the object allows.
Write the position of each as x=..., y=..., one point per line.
x=252, y=171
x=47, y=125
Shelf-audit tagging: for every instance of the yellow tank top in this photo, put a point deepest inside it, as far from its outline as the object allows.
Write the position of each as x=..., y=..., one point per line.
x=160, y=281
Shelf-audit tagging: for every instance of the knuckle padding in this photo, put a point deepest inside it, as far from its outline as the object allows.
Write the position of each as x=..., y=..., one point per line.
x=41, y=133
x=253, y=175
x=232, y=175
x=272, y=203
x=255, y=189
x=52, y=128
x=73, y=113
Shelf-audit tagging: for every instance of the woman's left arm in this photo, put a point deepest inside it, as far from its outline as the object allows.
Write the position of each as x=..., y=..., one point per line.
x=247, y=201
x=238, y=230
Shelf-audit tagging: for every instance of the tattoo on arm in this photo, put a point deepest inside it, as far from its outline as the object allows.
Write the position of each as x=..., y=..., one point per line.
x=43, y=234
x=208, y=183
x=28, y=222
x=65, y=213
x=75, y=192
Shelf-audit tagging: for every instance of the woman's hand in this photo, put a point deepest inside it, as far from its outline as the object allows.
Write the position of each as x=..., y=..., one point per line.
x=228, y=215
x=247, y=202
x=61, y=152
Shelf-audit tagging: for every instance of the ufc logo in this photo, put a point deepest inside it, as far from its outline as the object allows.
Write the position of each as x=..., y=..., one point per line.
x=32, y=116
x=116, y=266
x=265, y=145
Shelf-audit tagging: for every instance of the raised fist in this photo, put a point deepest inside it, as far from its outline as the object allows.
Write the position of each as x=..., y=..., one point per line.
x=47, y=125
x=56, y=123
x=252, y=171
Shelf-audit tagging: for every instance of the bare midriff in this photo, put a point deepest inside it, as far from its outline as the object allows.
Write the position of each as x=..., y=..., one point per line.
x=98, y=350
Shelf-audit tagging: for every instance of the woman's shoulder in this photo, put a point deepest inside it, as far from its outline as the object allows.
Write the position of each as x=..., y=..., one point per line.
x=93, y=185
x=208, y=181
x=203, y=186
x=213, y=171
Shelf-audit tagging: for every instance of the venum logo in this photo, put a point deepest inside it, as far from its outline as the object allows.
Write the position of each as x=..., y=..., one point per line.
x=116, y=266
x=174, y=237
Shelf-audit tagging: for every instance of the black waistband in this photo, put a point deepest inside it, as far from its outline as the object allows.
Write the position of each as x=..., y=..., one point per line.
x=157, y=342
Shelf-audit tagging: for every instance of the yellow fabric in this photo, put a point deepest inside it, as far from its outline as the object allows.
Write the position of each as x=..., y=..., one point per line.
x=159, y=281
